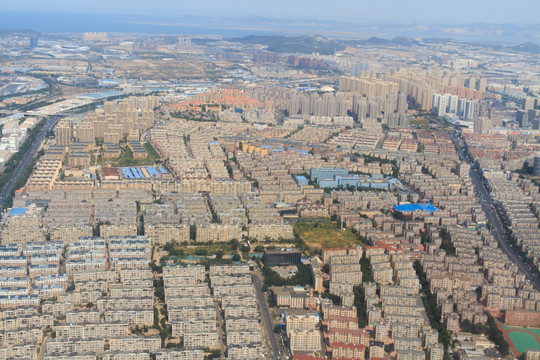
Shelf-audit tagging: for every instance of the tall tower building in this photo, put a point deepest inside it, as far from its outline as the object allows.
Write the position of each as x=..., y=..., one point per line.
x=466, y=109
x=528, y=103
x=472, y=83
x=482, y=84
x=402, y=103
x=522, y=117
x=453, y=104
x=356, y=69
x=482, y=125
x=184, y=43
x=63, y=133
x=85, y=132
x=404, y=121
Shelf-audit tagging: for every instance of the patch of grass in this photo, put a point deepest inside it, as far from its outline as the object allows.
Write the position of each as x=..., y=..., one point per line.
x=422, y=121
x=211, y=248
x=325, y=234
x=151, y=150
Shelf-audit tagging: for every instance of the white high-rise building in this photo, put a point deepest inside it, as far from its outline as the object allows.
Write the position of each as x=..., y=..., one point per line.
x=453, y=104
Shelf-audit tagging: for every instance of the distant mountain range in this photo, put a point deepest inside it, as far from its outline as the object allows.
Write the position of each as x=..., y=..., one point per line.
x=527, y=48
x=242, y=26
x=324, y=46
x=301, y=44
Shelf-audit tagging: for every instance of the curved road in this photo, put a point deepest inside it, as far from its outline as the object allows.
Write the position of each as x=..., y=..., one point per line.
x=27, y=159
x=497, y=227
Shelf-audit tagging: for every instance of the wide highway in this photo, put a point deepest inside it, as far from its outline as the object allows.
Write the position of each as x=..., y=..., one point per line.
x=27, y=159
x=497, y=228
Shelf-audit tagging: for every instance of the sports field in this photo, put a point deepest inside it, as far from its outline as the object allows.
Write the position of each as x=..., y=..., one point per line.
x=522, y=338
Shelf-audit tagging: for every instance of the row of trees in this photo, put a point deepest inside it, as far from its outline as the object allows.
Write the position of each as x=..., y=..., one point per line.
x=490, y=328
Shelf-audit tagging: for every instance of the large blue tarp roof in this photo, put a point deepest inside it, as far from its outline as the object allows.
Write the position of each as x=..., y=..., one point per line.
x=415, y=207
x=17, y=211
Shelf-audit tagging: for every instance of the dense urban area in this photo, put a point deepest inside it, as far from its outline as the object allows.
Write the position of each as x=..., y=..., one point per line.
x=268, y=198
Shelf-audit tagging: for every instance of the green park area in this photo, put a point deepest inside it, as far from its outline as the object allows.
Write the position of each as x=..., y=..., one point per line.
x=420, y=120
x=326, y=234
x=151, y=150
x=522, y=340
x=202, y=249
x=127, y=159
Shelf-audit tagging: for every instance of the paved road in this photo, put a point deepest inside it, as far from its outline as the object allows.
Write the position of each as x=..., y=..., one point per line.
x=43, y=347
x=27, y=159
x=221, y=331
x=266, y=318
x=492, y=216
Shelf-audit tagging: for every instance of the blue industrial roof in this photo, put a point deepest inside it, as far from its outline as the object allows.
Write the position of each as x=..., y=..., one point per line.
x=162, y=169
x=152, y=171
x=17, y=211
x=301, y=177
x=415, y=207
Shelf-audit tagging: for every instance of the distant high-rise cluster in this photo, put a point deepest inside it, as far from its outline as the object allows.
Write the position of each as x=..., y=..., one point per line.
x=306, y=62
x=450, y=104
x=184, y=43
x=265, y=57
x=95, y=36
x=113, y=124
x=356, y=69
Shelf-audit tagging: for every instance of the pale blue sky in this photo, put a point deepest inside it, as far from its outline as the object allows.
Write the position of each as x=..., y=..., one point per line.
x=402, y=11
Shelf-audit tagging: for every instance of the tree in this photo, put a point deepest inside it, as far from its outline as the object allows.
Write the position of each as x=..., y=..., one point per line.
x=359, y=302
x=156, y=268
x=478, y=328
x=326, y=268
x=159, y=292
x=277, y=329
x=336, y=300
x=496, y=335
x=219, y=254
x=201, y=252
x=236, y=257
x=234, y=243
x=466, y=325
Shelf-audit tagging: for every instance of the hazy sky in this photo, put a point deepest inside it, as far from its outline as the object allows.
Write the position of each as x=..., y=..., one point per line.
x=402, y=11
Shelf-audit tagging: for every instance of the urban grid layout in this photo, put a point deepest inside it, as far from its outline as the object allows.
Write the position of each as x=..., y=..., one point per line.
x=268, y=197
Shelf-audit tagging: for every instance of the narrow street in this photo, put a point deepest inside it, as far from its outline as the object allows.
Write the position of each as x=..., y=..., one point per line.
x=266, y=318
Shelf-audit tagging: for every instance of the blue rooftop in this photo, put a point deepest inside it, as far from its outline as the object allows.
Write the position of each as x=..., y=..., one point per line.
x=17, y=211
x=416, y=207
